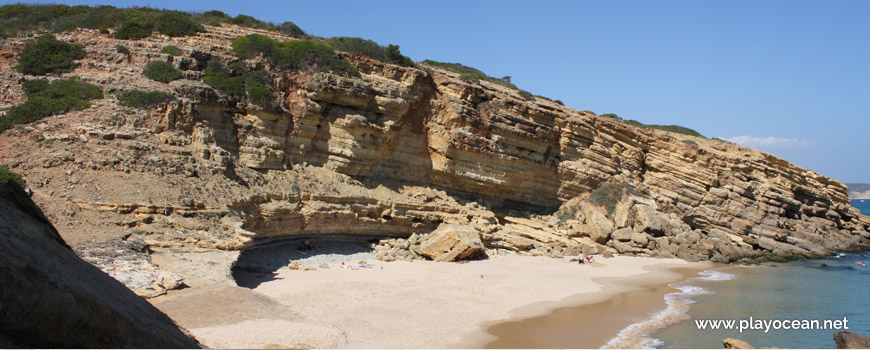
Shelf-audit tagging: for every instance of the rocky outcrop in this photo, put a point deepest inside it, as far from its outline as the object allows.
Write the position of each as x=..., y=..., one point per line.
x=396, y=152
x=51, y=298
x=849, y=340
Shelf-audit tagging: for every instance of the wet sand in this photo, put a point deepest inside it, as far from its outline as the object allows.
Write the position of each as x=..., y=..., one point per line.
x=592, y=324
x=417, y=304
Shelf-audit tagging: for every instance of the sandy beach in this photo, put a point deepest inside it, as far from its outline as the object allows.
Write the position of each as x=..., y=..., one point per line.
x=418, y=304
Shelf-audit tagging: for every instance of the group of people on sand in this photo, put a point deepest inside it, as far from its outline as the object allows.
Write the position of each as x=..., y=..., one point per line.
x=583, y=258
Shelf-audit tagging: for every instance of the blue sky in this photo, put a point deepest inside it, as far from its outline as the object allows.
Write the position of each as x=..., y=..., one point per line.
x=787, y=77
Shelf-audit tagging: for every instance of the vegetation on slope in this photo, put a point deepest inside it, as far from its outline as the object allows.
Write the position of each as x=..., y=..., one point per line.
x=6, y=175
x=388, y=54
x=130, y=23
x=45, y=99
x=161, y=71
x=239, y=81
x=671, y=128
x=610, y=194
x=49, y=55
x=293, y=54
x=143, y=99
x=471, y=74
x=171, y=50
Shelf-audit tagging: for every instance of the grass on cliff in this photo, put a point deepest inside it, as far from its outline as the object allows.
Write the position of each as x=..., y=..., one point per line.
x=471, y=74
x=161, y=71
x=388, y=54
x=671, y=128
x=6, y=175
x=45, y=99
x=610, y=194
x=239, y=81
x=293, y=54
x=142, y=99
x=49, y=55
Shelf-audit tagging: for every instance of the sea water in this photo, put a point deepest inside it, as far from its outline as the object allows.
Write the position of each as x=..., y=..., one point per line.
x=832, y=289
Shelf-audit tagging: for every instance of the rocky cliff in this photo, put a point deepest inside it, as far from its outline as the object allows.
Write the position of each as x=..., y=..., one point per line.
x=397, y=151
x=51, y=298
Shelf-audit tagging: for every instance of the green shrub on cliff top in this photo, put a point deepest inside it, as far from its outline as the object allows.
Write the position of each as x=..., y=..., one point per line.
x=45, y=99
x=470, y=74
x=294, y=54
x=389, y=54
x=49, y=55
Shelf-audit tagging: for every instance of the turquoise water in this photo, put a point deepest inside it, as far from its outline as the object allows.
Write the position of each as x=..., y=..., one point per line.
x=802, y=290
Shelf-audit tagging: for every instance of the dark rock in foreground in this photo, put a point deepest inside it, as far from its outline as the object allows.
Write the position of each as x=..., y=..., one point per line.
x=849, y=340
x=51, y=298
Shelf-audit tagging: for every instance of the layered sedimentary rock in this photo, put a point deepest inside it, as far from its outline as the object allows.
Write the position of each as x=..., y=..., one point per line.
x=51, y=298
x=399, y=151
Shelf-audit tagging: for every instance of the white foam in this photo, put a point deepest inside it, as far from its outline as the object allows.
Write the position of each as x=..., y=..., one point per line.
x=713, y=275
x=638, y=335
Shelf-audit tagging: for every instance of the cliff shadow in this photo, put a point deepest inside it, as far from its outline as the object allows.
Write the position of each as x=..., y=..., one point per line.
x=260, y=262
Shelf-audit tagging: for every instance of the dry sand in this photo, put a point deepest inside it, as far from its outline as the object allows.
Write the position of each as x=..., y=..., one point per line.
x=417, y=304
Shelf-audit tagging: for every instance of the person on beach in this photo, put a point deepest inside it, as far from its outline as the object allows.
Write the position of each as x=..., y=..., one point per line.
x=590, y=259
x=306, y=246
x=581, y=259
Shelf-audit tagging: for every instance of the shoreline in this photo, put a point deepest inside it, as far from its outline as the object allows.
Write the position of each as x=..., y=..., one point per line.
x=621, y=302
x=418, y=304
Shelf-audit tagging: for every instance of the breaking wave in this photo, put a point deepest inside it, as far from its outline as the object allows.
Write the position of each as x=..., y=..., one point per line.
x=638, y=335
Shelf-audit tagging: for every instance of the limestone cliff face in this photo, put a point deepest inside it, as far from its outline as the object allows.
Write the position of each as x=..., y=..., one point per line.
x=399, y=151
x=51, y=298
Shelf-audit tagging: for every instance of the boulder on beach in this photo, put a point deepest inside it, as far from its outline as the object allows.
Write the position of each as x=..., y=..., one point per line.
x=731, y=343
x=51, y=298
x=849, y=340
x=452, y=243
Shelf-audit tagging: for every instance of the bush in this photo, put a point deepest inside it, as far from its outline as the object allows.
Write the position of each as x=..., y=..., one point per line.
x=527, y=95
x=139, y=23
x=470, y=74
x=691, y=142
x=291, y=29
x=132, y=23
x=122, y=49
x=49, y=55
x=254, y=44
x=175, y=23
x=161, y=71
x=560, y=102
x=45, y=99
x=7, y=175
x=608, y=195
x=171, y=50
x=389, y=54
x=671, y=128
x=611, y=116
x=142, y=99
x=241, y=83
x=134, y=30
x=294, y=54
